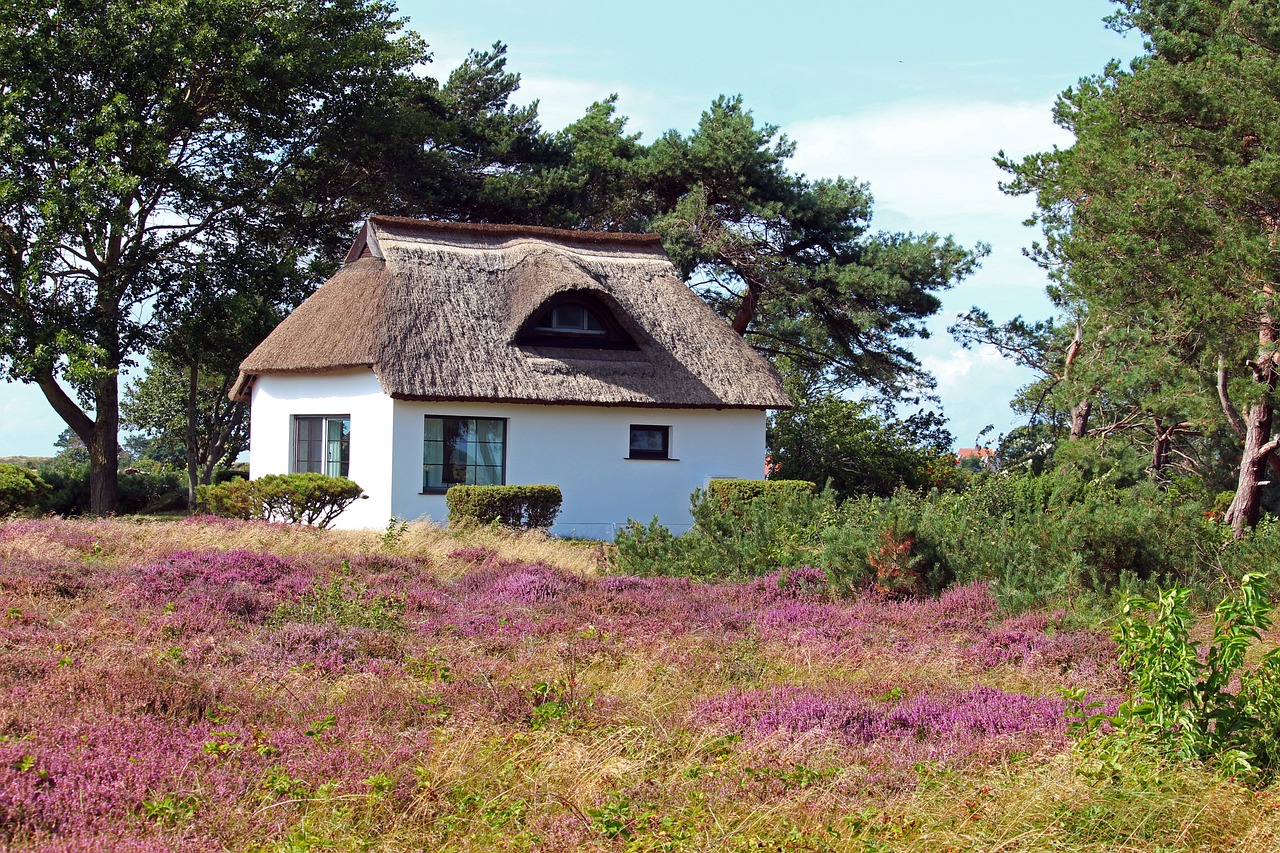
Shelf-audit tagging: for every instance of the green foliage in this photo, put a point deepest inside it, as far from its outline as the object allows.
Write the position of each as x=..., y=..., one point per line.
x=529, y=507
x=139, y=491
x=152, y=137
x=853, y=447
x=344, y=601
x=1035, y=539
x=1157, y=229
x=730, y=494
x=1189, y=706
x=780, y=528
x=21, y=490
x=315, y=499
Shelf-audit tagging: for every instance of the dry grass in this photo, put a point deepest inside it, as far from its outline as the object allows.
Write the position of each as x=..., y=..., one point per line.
x=564, y=722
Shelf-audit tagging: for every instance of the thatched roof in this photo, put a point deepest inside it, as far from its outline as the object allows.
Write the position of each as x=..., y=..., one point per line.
x=442, y=311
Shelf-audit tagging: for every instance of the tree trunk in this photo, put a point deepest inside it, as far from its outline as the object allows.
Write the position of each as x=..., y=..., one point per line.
x=193, y=462
x=1246, y=507
x=1255, y=426
x=1160, y=448
x=104, y=449
x=1080, y=418
x=99, y=435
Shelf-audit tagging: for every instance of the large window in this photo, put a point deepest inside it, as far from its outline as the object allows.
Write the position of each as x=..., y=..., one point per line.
x=322, y=445
x=463, y=451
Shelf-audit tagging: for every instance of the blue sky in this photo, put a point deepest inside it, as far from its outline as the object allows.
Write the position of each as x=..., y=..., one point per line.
x=912, y=97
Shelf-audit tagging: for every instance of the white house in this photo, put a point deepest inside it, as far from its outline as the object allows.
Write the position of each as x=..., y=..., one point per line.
x=445, y=353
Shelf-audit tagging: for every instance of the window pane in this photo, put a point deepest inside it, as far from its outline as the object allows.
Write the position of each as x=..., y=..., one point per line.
x=462, y=451
x=570, y=317
x=338, y=451
x=490, y=430
x=648, y=439
x=309, y=449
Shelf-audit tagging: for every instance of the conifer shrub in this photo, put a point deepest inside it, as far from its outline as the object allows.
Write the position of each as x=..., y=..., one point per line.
x=20, y=490
x=528, y=507
x=314, y=499
x=139, y=491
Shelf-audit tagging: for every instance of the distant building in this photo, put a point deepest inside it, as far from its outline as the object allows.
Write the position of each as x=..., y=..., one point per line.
x=975, y=458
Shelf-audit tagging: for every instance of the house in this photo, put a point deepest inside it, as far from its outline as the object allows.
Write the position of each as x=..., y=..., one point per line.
x=445, y=353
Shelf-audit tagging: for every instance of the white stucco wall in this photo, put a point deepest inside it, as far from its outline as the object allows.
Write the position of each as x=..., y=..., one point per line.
x=583, y=450
x=278, y=399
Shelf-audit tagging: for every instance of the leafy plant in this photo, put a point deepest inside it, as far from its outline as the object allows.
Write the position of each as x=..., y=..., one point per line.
x=20, y=489
x=344, y=601
x=1183, y=703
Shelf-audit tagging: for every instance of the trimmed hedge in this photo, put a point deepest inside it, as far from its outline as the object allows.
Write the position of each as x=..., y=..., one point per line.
x=511, y=506
x=732, y=494
x=20, y=489
x=313, y=499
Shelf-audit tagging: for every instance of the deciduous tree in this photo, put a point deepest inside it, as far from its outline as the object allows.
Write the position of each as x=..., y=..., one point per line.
x=131, y=136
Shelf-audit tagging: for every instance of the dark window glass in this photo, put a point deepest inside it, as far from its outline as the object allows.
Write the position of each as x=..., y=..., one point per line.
x=650, y=442
x=463, y=451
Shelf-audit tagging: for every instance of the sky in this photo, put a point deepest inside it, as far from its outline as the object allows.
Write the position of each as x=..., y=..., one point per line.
x=913, y=98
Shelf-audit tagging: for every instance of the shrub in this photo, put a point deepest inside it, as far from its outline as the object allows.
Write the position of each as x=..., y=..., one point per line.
x=1196, y=706
x=139, y=491
x=511, y=506
x=732, y=494
x=314, y=499
x=20, y=489
x=735, y=538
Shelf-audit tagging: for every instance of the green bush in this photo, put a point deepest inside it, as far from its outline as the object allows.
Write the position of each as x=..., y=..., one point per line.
x=529, y=507
x=314, y=499
x=20, y=490
x=139, y=491
x=784, y=527
x=732, y=494
x=1191, y=706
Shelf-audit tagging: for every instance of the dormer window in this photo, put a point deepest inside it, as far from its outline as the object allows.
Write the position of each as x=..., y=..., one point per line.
x=571, y=318
x=576, y=319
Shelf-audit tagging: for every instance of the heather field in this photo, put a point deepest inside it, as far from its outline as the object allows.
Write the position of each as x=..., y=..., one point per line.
x=213, y=685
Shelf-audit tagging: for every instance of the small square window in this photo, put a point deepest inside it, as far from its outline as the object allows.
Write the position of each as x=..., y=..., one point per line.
x=650, y=442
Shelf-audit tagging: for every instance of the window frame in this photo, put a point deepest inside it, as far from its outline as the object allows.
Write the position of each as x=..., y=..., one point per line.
x=325, y=461
x=663, y=454
x=445, y=485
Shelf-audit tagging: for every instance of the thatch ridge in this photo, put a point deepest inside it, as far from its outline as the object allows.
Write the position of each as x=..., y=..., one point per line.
x=454, y=297
x=475, y=229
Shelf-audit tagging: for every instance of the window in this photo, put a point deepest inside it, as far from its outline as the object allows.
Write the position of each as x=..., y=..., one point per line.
x=463, y=451
x=650, y=442
x=571, y=318
x=575, y=319
x=322, y=445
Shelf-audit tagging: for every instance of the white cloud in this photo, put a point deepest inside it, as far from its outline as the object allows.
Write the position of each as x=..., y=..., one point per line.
x=928, y=159
x=974, y=386
x=958, y=366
